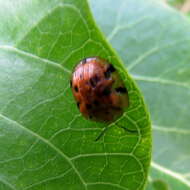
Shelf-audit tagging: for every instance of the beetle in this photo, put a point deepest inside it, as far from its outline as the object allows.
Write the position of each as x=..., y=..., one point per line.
x=99, y=91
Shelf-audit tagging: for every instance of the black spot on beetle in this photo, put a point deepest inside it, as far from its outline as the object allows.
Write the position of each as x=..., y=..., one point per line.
x=109, y=70
x=116, y=108
x=78, y=104
x=106, y=92
x=94, y=80
x=88, y=106
x=96, y=103
x=107, y=74
x=83, y=61
x=76, y=89
x=121, y=90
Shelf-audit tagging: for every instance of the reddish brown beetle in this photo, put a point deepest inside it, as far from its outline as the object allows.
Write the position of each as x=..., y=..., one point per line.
x=98, y=90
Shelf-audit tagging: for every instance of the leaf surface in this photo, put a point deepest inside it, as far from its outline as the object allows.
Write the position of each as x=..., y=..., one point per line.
x=45, y=143
x=153, y=41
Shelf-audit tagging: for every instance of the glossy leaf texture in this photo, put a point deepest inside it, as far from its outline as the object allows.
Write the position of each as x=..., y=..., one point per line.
x=45, y=143
x=153, y=41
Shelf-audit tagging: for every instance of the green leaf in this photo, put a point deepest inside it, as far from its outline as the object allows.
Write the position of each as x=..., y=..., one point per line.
x=153, y=40
x=160, y=185
x=45, y=143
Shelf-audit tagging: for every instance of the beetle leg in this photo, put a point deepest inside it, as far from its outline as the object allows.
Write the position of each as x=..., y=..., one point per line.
x=101, y=134
x=126, y=129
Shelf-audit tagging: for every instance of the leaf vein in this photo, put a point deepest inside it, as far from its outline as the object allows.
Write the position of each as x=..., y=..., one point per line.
x=161, y=81
x=110, y=184
x=52, y=63
x=7, y=184
x=171, y=130
x=48, y=180
x=45, y=141
x=170, y=173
